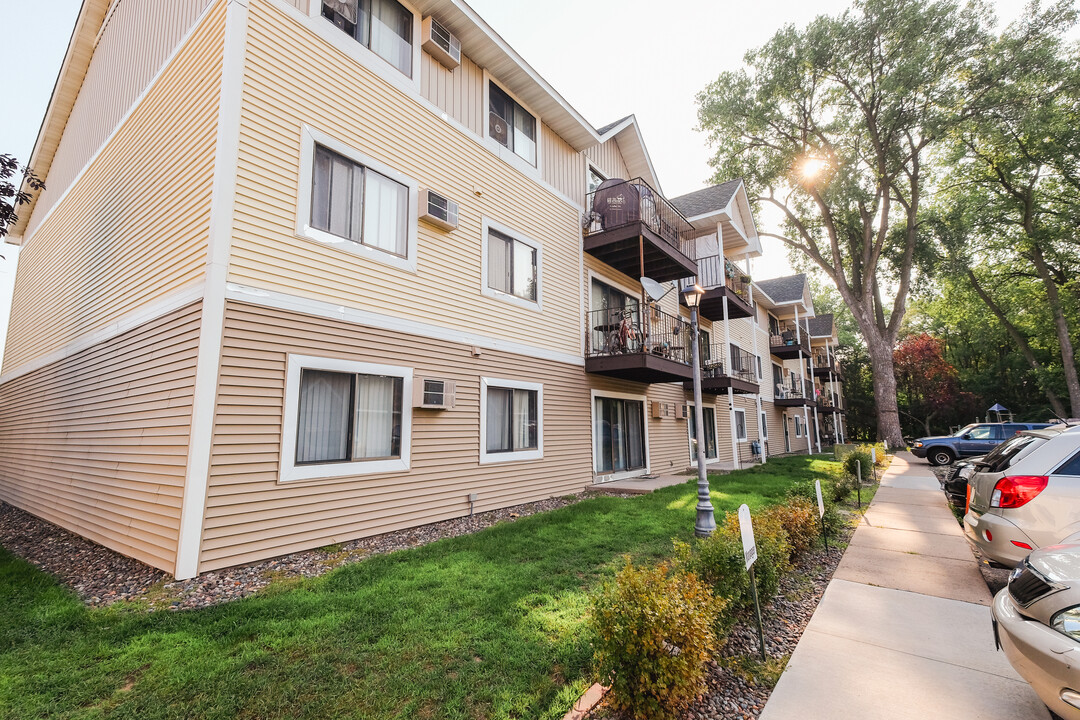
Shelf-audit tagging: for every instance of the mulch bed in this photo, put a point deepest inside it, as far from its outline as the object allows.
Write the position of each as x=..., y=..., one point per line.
x=100, y=576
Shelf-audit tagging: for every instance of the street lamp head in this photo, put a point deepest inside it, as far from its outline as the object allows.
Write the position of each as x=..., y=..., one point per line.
x=692, y=294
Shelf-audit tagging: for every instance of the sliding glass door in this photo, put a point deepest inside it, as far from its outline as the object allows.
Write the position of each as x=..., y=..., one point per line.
x=619, y=435
x=709, y=420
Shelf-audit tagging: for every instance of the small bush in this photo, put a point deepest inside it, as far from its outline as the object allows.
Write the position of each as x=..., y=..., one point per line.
x=861, y=455
x=842, y=488
x=800, y=521
x=654, y=629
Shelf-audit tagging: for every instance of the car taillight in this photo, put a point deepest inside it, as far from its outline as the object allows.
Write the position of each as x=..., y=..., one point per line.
x=1017, y=491
x=967, y=504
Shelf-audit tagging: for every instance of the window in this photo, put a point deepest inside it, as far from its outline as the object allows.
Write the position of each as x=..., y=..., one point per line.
x=511, y=422
x=764, y=427
x=798, y=426
x=1071, y=466
x=382, y=26
x=740, y=425
x=619, y=434
x=353, y=202
x=777, y=376
x=705, y=342
x=511, y=125
x=594, y=181
x=983, y=432
x=511, y=267
x=344, y=418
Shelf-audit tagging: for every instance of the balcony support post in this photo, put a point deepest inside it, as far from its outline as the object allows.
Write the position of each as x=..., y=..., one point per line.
x=817, y=422
x=762, y=442
x=731, y=392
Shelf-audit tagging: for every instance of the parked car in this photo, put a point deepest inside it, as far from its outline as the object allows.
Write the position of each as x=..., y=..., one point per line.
x=970, y=441
x=1037, y=623
x=1026, y=494
x=955, y=484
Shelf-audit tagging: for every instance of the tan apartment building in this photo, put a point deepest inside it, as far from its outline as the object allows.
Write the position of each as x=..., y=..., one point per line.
x=312, y=271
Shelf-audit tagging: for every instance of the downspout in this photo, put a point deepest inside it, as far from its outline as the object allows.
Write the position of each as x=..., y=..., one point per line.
x=817, y=420
x=802, y=377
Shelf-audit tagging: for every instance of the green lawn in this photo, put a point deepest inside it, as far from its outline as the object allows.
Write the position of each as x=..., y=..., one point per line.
x=484, y=626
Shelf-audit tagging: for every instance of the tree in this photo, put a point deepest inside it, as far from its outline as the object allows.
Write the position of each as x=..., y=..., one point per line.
x=929, y=387
x=1016, y=174
x=12, y=195
x=833, y=127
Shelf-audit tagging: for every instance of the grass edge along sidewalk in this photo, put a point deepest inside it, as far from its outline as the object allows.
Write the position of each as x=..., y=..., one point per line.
x=489, y=625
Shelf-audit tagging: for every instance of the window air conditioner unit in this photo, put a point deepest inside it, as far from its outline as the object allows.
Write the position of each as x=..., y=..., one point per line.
x=438, y=210
x=657, y=409
x=684, y=412
x=434, y=394
x=440, y=43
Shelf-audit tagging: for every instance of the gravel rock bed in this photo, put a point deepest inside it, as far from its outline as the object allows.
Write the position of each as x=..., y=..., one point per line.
x=732, y=691
x=100, y=576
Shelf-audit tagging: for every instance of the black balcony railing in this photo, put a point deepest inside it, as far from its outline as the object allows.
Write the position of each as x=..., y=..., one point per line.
x=619, y=203
x=786, y=335
x=735, y=363
x=630, y=330
x=795, y=391
x=714, y=271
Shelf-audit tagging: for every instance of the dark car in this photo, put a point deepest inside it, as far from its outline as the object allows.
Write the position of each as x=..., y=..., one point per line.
x=956, y=482
x=970, y=441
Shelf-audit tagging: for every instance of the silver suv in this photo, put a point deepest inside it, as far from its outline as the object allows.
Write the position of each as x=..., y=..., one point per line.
x=1026, y=495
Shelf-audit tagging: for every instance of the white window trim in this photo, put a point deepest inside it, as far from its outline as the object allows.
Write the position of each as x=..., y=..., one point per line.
x=366, y=57
x=746, y=429
x=798, y=426
x=716, y=432
x=506, y=154
x=487, y=290
x=290, y=471
x=763, y=418
x=309, y=138
x=487, y=458
x=610, y=282
x=591, y=167
x=612, y=477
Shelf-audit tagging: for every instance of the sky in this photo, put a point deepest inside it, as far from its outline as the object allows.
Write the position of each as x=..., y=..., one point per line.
x=607, y=59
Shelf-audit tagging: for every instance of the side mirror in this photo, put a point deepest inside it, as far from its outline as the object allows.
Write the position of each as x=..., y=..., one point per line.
x=966, y=436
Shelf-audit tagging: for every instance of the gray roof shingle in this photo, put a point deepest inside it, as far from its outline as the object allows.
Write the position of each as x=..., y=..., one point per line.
x=620, y=121
x=784, y=289
x=707, y=200
x=821, y=326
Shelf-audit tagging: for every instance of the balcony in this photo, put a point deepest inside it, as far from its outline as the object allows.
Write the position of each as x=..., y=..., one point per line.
x=795, y=394
x=634, y=229
x=824, y=365
x=719, y=373
x=722, y=280
x=622, y=344
x=787, y=343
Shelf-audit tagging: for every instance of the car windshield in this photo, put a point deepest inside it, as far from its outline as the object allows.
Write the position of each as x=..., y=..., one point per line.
x=1002, y=456
x=964, y=430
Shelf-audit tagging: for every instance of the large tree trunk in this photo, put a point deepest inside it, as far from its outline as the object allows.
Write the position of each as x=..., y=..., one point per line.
x=883, y=372
x=1068, y=355
x=1021, y=343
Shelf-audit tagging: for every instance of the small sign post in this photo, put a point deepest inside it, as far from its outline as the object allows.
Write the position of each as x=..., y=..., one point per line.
x=873, y=463
x=746, y=529
x=821, y=514
x=858, y=485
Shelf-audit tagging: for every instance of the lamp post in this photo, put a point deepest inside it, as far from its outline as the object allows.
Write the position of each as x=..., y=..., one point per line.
x=706, y=523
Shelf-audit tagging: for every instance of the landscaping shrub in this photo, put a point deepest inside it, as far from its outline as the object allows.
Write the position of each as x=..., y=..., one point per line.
x=654, y=630
x=800, y=521
x=862, y=455
x=842, y=488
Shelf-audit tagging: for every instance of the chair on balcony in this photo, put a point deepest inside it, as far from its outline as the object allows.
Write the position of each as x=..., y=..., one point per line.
x=788, y=337
x=781, y=392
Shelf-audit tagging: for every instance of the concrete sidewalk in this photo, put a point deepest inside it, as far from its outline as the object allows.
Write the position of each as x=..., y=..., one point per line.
x=903, y=630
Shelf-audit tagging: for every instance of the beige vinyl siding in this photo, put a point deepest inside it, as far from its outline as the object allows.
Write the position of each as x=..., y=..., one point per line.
x=137, y=39
x=609, y=160
x=564, y=168
x=98, y=442
x=459, y=92
x=250, y=515
x=134, y=228
x=286, y=86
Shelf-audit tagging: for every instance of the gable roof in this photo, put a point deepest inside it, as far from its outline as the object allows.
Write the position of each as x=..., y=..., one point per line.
x=627, y=134
x=707, y=200
x=784, y=289
x=821, y=326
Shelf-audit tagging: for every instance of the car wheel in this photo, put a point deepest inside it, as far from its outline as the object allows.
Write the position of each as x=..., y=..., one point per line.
x=940, y=457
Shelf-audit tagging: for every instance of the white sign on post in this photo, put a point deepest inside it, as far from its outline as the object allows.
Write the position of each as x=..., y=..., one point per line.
x=820, y=502
x=873, y=455
x=746, y=529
